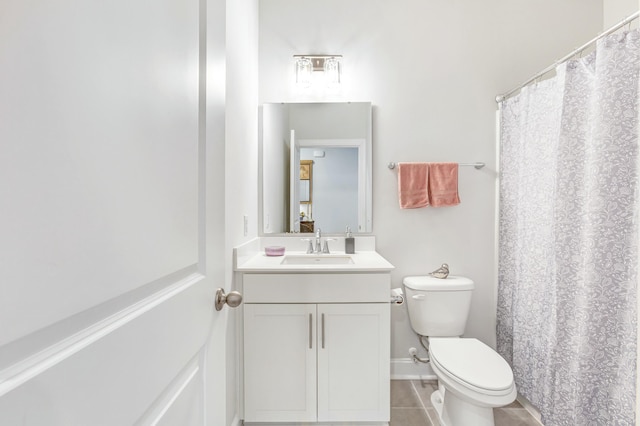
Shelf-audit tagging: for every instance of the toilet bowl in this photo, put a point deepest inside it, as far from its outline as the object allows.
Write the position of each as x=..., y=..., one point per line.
x=472, y=377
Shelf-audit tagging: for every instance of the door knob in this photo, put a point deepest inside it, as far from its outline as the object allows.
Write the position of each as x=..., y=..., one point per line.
x=232, y=299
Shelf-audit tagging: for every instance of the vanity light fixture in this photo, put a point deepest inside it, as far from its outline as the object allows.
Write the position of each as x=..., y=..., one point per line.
x=308, y=65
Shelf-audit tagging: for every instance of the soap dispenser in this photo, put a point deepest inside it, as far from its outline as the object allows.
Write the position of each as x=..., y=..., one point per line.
x=349, y=242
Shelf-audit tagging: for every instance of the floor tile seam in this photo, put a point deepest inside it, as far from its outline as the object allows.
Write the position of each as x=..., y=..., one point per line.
x=424, y=414
x=435, y=421
x=403, y=396
x=427, y=409
x=408, y=408
x=424, y=407
x=417, y=395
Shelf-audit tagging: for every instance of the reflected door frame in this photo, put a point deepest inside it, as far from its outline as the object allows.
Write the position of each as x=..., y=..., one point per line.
x=364, y=173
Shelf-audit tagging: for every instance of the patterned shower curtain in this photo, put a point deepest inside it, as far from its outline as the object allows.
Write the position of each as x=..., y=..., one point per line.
x=568, y=257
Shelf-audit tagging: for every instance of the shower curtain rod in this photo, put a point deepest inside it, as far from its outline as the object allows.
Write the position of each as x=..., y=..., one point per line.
x=616, y=27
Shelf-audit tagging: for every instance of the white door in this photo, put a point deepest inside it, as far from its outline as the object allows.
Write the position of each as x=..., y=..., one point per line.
x=111, y=230
x=280, y=362
x=294, y=179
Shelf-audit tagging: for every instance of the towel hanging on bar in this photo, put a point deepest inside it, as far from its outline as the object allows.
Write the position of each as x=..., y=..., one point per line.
x=443, y=184
x=413, y=185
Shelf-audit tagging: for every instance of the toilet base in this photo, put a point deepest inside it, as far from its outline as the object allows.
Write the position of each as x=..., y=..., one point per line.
x=453, y=411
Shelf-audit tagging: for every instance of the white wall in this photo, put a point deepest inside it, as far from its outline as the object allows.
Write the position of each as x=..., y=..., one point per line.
x=241, y=159
x=617, y=10
x=242, y=120
x=432, y=70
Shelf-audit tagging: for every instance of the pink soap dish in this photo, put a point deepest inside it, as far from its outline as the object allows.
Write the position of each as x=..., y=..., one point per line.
x=274, y=251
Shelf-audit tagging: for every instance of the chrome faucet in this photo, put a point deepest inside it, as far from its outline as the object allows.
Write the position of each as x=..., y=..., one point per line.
x=309, y=246
x=318, y=248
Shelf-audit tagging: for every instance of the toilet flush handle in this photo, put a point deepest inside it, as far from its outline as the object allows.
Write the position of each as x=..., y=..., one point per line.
x=418, y=297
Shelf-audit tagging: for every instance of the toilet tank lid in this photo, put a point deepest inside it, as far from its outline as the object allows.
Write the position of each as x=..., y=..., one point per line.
x=429, y=283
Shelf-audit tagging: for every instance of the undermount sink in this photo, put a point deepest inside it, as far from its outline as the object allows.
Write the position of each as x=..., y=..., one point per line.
x=322, y=259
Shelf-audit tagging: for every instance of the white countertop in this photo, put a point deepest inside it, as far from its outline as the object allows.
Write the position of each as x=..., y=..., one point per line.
x=363, y=261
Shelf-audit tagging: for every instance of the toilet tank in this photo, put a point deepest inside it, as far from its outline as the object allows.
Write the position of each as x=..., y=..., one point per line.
x=438, y=307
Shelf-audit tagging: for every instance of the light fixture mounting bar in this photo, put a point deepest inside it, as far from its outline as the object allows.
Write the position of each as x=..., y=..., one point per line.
x=317, y=61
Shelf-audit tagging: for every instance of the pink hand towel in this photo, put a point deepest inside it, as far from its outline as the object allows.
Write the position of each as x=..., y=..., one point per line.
x=413, y=185
x=443, y=184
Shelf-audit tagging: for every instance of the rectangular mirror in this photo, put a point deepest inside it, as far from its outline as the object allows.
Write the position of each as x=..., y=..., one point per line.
x=315, y=167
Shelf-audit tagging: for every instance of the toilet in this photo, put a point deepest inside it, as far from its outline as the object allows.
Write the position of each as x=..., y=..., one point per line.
x=472, y=377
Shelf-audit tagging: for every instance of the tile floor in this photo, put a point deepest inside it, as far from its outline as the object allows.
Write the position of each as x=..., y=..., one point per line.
x=411, y=406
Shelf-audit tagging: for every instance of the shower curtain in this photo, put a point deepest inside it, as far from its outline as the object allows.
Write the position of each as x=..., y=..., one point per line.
x=568, y=235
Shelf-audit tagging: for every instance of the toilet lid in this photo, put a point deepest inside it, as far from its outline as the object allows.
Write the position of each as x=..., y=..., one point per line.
x=429, y=283
x=473, y=362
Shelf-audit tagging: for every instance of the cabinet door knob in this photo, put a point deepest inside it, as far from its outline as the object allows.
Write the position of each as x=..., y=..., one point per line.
x=232, y=299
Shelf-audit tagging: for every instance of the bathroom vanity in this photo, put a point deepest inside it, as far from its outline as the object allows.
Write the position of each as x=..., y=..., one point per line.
x=316, y=336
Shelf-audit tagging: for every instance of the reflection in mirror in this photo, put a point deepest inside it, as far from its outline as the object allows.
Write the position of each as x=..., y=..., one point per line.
x=315, y=167
x=305, y=181
x=335, y=184
x=305, y=193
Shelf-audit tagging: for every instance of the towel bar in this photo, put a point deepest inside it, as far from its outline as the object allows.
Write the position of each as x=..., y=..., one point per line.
x=477, y=165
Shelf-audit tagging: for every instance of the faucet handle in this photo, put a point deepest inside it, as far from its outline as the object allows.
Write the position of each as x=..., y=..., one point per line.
x=309, y=246
x=325, y=248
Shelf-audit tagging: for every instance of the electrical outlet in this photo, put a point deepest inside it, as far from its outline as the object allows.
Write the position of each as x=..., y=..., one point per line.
x=246, y=225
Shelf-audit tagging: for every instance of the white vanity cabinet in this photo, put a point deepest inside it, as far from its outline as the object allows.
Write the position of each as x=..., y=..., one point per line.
x=316, y=348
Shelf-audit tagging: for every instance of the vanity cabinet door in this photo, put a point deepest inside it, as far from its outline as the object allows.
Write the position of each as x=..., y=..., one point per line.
x=353, y=362
x=280, y=362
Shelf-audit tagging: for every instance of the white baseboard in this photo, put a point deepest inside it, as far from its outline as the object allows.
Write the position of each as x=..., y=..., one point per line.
x=406, y=369
x=530, y=408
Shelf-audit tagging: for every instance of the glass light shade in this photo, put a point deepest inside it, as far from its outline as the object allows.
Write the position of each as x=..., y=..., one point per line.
x=332, y=72
x=304, y=69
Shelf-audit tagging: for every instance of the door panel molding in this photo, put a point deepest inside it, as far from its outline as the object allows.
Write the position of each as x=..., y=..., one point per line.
x=26, y=367
x=166, y=400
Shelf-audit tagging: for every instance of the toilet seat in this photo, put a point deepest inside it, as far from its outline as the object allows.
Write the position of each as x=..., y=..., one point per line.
x=472, y=364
